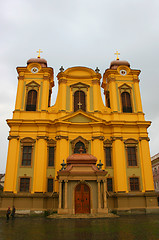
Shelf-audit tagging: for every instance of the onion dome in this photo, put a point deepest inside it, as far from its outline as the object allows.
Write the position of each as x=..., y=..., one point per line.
x=116, y=63
x=39, y=60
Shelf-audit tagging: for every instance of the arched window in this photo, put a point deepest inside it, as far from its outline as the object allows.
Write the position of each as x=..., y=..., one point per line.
x=126, y=102
x=79, y=101
x=78, y=145
x=108, y=99
x=31, y=100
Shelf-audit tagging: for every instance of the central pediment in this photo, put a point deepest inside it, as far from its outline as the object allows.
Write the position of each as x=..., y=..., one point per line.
x=79, y=117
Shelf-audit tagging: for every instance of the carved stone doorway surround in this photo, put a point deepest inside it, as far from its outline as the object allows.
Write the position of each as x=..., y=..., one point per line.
x=81, y=172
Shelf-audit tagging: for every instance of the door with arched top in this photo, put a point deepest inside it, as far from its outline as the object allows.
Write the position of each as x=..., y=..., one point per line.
x=82, y=198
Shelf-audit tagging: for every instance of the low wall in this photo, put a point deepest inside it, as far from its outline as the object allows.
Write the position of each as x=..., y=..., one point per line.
x=133, y=203
x=121, y=203
x=36, y=201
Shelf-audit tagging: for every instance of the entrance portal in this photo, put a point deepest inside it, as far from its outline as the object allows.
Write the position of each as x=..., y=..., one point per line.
x=82, y=198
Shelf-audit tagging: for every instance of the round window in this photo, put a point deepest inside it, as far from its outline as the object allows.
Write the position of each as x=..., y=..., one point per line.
x=123, y=72
x=34, y=70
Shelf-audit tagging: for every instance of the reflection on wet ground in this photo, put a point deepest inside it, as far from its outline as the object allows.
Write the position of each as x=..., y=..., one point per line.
x=124, y=228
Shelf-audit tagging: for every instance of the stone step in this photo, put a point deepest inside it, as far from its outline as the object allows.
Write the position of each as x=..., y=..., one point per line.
x=82, y=216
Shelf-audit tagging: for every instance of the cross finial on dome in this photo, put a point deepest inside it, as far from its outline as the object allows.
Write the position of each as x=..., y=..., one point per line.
x=117, y=55
x=39, y=52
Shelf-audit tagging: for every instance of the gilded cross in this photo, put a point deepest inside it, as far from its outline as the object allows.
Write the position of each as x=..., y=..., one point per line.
x=79, y=104
x=117, y=55
x=39, y=53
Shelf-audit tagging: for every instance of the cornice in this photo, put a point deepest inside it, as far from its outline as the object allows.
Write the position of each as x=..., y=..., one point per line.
x=48, y=123
x=21, y=69
x=115, y=72
x=18, y=122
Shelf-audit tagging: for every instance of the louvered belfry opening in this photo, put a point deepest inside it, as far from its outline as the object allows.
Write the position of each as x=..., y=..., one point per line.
x=126, y=102
x=31, y=101
x=79, y=101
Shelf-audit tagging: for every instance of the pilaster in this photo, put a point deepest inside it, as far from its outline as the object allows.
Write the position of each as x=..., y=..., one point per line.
x=138, y=96
x=99, y=194
x=113, y=95
x=62, y=100
x=146, y=163
x=45, y=93
x=62, y=148
x=105, y=194
x=95, y=83
x=66, y=182
x=19, y=92
x=12, y=164
x=119, y=165
x=39, y=184
x=60, y=194
x=97, y=145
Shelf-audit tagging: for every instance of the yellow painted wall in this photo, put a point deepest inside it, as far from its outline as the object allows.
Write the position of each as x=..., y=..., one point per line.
x=61, y=124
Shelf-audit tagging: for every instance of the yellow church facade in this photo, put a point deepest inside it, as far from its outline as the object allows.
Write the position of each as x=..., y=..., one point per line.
x=79, y=146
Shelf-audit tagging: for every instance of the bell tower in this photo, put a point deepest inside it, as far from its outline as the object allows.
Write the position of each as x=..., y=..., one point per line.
x=35, y=84
x=121, y=88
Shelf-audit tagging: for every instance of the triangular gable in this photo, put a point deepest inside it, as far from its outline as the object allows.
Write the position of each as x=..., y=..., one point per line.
x=79, y=116
x=79, y=85
x=33, y=84
x=125, y=86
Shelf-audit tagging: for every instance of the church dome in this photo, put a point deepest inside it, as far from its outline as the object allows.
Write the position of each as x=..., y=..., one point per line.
x=41, y=61
x=116, y=63
x=81, y=158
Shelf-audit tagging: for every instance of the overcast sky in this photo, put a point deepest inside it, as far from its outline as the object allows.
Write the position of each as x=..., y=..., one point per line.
x=83, y=33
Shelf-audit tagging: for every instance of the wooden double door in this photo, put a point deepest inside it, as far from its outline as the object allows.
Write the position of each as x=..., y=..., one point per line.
x=82, y=198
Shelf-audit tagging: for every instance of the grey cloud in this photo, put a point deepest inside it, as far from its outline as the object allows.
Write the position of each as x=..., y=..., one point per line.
x=80, y=32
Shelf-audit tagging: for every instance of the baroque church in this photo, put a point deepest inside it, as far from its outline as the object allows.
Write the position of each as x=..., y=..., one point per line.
x=79, y=155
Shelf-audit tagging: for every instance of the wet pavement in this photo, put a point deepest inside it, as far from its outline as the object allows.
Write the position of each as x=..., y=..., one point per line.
x=134, y=227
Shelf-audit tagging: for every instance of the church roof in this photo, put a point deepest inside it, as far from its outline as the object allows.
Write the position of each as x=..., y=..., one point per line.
x=82, y=164
x=116, y=63
x=39, y=60
x=83, y=158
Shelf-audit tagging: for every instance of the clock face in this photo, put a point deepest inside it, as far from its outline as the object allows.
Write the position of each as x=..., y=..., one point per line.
x=123, y=72
x=34, y=70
